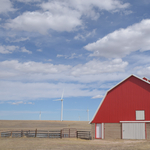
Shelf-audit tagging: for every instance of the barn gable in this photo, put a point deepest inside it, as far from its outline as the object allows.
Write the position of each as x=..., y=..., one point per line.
x=124, y=102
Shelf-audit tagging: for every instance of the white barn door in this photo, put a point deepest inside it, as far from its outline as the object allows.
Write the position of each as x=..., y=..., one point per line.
x=99, y=131
x=133, y=130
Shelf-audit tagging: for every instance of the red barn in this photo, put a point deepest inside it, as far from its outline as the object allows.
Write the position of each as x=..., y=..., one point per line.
x=124, y=113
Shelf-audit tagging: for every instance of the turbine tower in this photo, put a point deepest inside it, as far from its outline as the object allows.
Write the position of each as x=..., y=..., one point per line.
x=61, y=105
x=40, y=116
x=87, y=114
x=79, y=118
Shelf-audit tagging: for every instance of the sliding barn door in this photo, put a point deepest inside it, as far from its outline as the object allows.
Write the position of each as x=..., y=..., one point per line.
x=133, y=130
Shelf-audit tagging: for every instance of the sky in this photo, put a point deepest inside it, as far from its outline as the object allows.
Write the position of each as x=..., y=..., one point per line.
x=81, y=47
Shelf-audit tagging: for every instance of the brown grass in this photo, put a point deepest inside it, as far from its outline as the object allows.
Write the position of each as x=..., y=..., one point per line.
x=6, y=125
x=62, y=144
x=71, y=144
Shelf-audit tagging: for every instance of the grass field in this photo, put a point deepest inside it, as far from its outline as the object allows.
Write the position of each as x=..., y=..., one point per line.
x=62, y=144
x=6, y=125
x=71, y=144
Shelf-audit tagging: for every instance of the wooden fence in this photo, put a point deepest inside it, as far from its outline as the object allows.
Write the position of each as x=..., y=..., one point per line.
x=69, y=133
x=84, y=135
x=32, y=133
x=64, y=133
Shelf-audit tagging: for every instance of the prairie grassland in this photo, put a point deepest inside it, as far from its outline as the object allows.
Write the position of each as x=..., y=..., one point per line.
x=8, y=125
x=62, y=144
x=71, y=144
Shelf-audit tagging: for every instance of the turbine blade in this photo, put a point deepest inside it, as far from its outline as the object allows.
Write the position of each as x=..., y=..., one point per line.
x=57, y=100
x=62, y=94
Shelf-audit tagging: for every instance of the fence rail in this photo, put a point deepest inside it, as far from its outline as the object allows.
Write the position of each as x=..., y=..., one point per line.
x=64, y=133
x=84, y=135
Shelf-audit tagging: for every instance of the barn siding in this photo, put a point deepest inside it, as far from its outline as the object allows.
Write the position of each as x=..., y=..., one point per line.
x=112, y=131
x=148, y=130
x=93, y=131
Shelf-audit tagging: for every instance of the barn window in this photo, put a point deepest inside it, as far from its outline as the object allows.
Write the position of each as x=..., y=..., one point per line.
x=140, y=115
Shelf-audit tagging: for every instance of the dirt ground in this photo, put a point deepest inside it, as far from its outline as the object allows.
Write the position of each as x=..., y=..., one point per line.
x=71, y=144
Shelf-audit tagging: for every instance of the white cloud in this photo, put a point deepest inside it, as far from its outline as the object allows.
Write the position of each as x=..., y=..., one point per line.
x=62, y=15
x=15, y=68
x=58, y=55
x=97, y=67
x=144, y=72
x=73, y=55
x=16, y=103
x=8, y=49
x=39, y=50
x=24, y=50
x=21, y=39
x=97, y=96
x=42, y=22
x=29, y=1
x=28, y=80
x=92, y=71
x=86, y=7
x=31, y=91
x=50, y=60
x=123, y=41
x=83, y=37
x=20, y=102
x=128, y=12
x=6, y=6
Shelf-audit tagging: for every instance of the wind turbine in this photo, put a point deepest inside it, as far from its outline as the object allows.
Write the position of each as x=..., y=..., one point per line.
x=79, y=118
x=40, y=116
x=88, y=114
x=61, y=105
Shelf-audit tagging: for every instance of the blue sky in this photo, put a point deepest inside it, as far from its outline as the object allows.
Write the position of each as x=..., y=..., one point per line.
x=83, y=47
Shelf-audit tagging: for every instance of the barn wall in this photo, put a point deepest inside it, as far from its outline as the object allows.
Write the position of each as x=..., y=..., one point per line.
x=93, y=131
x=112, y=131
x=148, y=130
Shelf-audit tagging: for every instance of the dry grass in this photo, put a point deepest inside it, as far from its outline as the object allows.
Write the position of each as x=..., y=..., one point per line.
x=62, y=144
x=71, y=144
x=6, y=125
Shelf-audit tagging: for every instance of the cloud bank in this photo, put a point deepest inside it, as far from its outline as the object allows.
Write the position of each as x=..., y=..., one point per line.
x=123, y=41
x=62, y=15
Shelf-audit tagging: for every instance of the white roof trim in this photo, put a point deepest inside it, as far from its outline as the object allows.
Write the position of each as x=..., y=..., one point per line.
x=133, y=121
x=113, y=88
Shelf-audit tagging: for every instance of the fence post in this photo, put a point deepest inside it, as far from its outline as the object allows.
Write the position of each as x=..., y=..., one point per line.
x=35, y=132
x=77, y=134
x=11, y=134
x=61, y=134
x=21, y=133
x=48, y=133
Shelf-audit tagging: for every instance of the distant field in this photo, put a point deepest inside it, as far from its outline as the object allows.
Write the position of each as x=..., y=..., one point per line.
x=6, y=125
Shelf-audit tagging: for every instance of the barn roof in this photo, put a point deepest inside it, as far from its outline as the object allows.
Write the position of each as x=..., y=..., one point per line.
x=142, y=79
